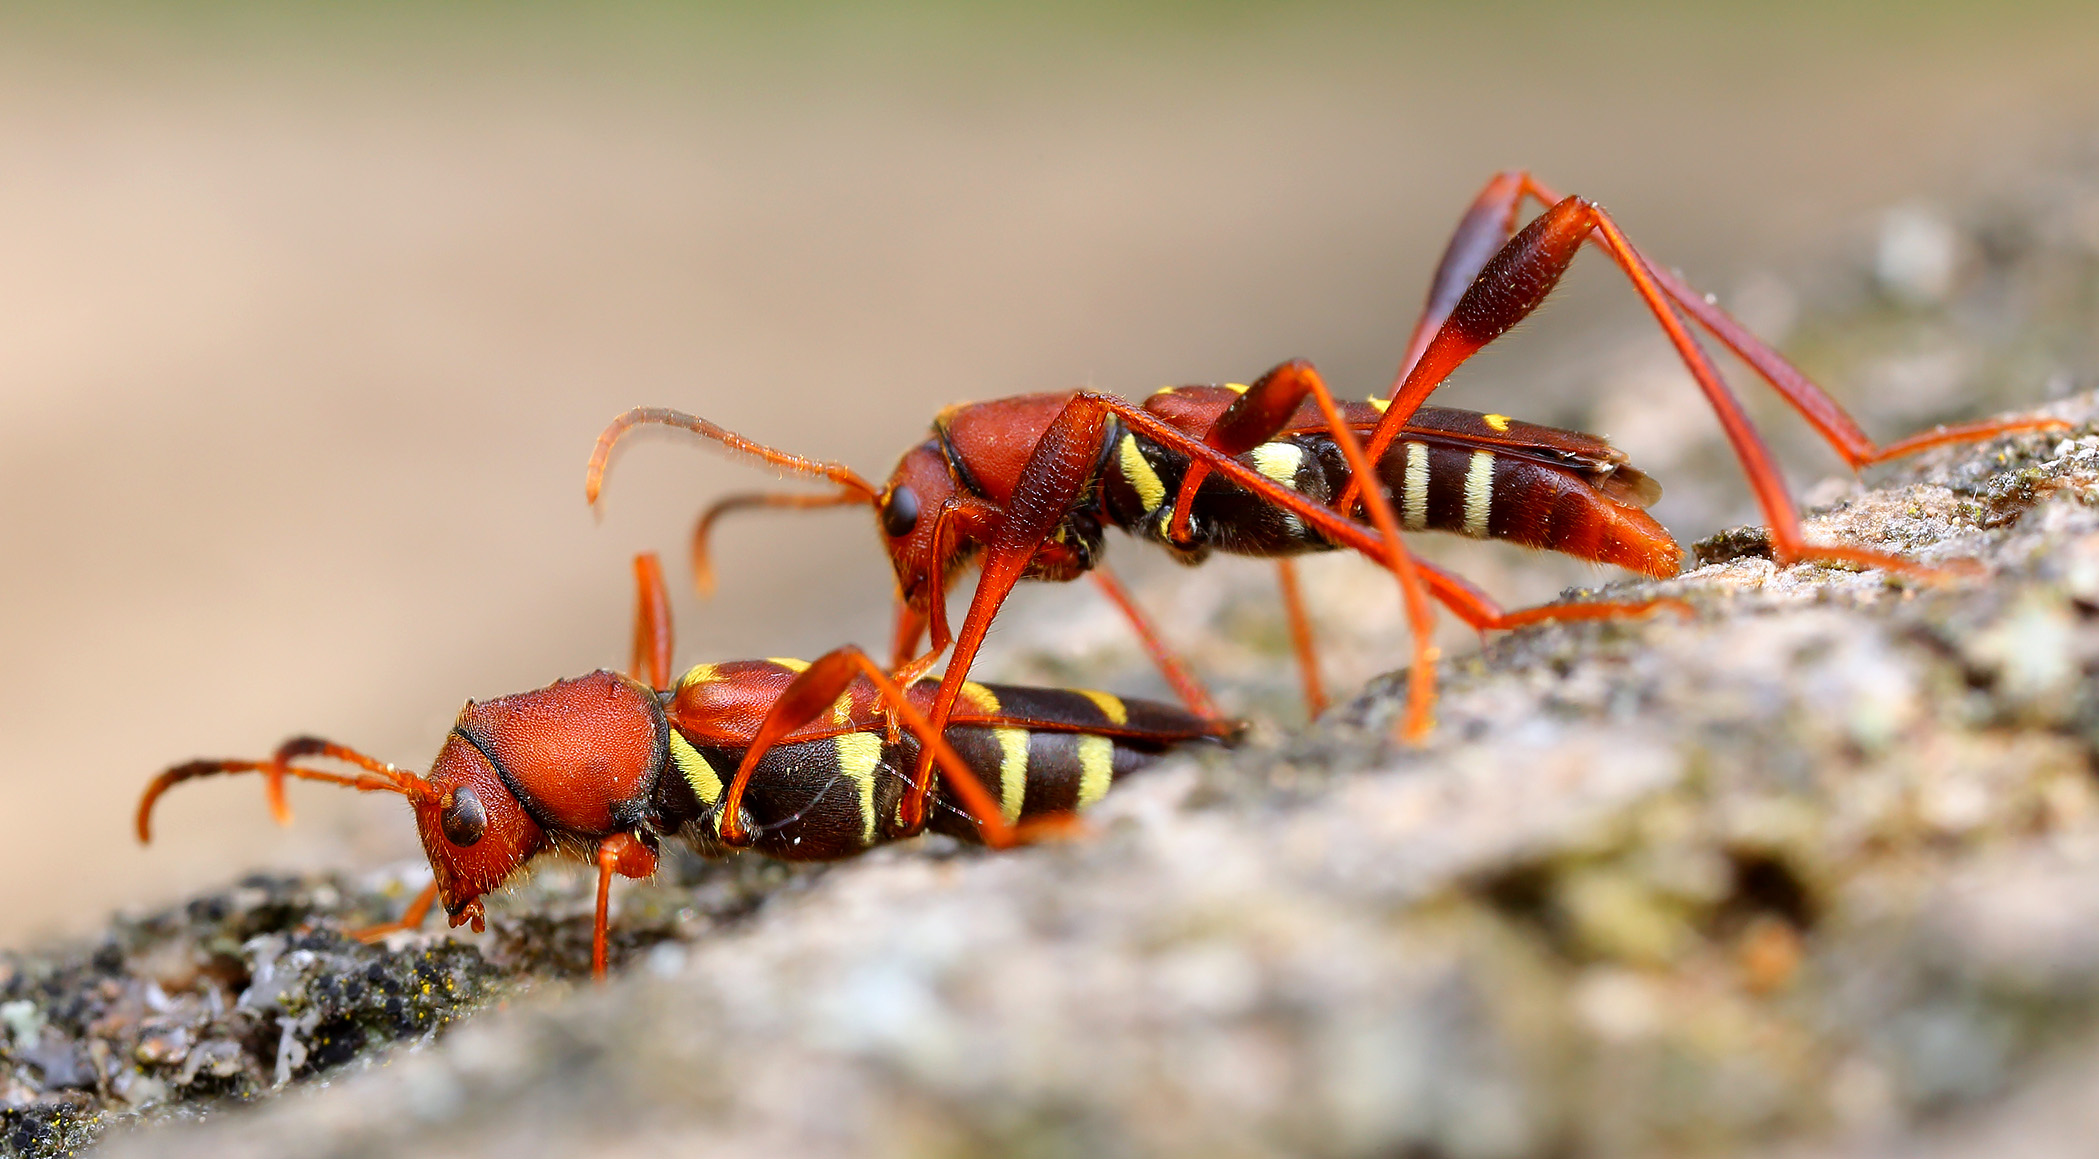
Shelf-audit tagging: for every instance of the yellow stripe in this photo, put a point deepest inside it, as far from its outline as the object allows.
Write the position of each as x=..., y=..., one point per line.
x=1012, y=771
x=981, y=698
x=1279, y=461
x=1236, y=387
x=1150, y=491
x=1382, y=404
x=700, y=674
x=706, y=783
x=1413, y=500
x=1479, y=493
x=796, y=666
x=1498, y=422
x=1096, y=768
x=1111, y=706
x=858, y=754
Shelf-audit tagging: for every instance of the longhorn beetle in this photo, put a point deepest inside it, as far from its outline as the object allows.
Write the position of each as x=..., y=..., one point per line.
x=798, y=761
x=1023, y=485
x=1484, y=475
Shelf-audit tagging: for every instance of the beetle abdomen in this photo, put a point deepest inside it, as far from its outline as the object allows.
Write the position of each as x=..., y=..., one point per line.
x=1037, y=751
x=1491, y=494
x=1481, y=475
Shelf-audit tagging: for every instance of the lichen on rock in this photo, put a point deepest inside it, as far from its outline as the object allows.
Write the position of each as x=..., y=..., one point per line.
x=226, y=998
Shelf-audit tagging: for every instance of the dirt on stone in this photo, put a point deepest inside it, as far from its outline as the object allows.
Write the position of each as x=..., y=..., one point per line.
x=222, y=1000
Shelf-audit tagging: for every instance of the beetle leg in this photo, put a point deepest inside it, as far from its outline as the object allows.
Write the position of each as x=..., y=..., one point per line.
x=624, y=854
x=813, y=691
x=1301, y=639
x=652, y=623
x=1169, y=663
x=411, y=918
x=1511, y=283
x=1253, y=418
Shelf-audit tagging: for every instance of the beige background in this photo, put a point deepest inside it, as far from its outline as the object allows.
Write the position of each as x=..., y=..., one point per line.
x=306, y=324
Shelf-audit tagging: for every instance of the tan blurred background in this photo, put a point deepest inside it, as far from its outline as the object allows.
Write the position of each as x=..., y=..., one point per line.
x=307, y=320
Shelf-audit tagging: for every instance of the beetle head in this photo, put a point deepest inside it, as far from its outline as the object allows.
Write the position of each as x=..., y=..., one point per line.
x=475, y=831
x=906, y=511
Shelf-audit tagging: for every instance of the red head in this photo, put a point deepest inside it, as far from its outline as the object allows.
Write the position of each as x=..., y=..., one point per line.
x=969, y=467
x=906, y=512
x=576, y=759
x=475, y=831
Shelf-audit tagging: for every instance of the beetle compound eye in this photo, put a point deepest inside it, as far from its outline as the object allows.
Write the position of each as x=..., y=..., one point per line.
x=464, y=819
x=900, y=512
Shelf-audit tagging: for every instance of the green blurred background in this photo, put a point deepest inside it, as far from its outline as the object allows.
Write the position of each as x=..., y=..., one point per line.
x=309, y=313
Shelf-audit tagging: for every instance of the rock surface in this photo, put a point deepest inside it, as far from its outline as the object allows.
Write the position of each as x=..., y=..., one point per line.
x=1813, y=870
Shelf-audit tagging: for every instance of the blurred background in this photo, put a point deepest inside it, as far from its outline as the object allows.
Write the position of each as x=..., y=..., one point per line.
x=310, y=314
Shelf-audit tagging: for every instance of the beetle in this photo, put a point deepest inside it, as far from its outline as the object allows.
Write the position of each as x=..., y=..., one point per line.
x=1484, y=475
x=798, y=761
x=1022, y=486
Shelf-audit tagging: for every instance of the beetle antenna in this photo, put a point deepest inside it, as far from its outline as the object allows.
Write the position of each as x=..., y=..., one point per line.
x=375, y=776
x=702, y=561
x=601, y=455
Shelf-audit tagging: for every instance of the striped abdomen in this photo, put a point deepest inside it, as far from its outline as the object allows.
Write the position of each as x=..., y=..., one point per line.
x=1482, y=475
x=1440, y=484
x=1037, y=750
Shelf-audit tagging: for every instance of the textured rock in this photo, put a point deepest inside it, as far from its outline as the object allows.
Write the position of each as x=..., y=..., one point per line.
x=229, y=997
x=1814, y=862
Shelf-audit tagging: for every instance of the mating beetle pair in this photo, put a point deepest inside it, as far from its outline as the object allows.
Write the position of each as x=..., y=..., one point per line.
x=827, y=759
